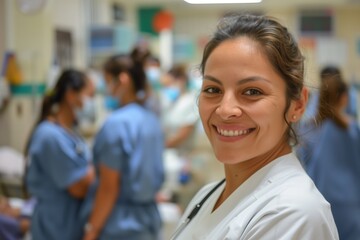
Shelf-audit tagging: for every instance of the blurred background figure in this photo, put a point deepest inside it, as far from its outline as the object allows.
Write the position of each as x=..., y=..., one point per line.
x=153, y=75
x=15, y=218
x=179, y=118
x=88, y=116
x=312, y=107
x=329, y=150
x=179, y=114
x=59, y=169
x=128, y=158
x=153, y=72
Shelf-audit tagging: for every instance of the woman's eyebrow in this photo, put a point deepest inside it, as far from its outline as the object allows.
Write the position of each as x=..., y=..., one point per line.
x=241, y=81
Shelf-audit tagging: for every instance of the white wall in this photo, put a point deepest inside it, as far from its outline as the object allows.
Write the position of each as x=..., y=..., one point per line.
x=2, y=29
x=4, y=128
x=70, y=15
x=348, y=29
x=31, y=36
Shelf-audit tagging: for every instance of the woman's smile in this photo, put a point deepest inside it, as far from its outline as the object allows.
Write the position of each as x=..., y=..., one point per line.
x=232, y=132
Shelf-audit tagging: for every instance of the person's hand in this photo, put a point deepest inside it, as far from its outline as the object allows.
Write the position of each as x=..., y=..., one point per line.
x=90, y=236
x=162, y=197
x=4, y=204
x=92, y=173
x=90, y=232
x=6, y=209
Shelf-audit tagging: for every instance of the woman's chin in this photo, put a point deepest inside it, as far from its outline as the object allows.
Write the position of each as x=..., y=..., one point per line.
x=229, y=158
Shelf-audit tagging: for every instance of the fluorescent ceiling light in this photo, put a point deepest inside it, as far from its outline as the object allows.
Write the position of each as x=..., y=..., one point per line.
x=221, y=1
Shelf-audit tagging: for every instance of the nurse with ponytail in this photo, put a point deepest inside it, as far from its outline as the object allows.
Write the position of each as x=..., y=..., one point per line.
x=128, y=158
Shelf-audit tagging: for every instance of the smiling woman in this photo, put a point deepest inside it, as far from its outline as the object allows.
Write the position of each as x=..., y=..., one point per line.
x=252, y=94
x=250, y=99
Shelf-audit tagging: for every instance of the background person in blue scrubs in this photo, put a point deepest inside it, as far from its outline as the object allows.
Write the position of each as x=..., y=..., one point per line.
x=59, y=171
x=312, y=106
x=128, y=158
x=330, y=153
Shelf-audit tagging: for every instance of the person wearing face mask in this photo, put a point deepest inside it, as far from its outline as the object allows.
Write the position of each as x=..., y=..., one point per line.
x=153, y=72
x=179, y=119
x=179, y=114
x=153, y=75
x=59, y=171
x=87, y=115
x=128, y=157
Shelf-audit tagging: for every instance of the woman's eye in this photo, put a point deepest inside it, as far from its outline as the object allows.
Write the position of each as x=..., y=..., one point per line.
x=211, y=90
x=252, y=92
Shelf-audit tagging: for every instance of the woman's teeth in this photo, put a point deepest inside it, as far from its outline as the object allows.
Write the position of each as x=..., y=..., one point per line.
x=233, y=133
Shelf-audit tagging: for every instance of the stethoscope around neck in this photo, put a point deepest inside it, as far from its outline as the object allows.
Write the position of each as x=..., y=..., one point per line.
x=195, y=211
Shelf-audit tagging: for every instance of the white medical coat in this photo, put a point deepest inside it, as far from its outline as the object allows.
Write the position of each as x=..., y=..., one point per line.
x=278, y=202
x=183, y=112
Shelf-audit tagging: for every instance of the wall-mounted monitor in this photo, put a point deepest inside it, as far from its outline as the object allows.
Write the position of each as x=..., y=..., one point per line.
x=316, y=23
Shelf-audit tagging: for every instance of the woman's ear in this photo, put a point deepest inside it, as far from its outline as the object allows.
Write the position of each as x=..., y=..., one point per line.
x=298, y=106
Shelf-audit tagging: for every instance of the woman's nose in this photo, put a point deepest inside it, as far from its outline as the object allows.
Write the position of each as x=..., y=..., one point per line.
x=229, y=107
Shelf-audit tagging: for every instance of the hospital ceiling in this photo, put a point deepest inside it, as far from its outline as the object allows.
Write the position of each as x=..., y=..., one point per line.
x=265, y=4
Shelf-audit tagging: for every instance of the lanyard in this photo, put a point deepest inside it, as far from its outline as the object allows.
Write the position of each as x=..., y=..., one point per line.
x=195, y=211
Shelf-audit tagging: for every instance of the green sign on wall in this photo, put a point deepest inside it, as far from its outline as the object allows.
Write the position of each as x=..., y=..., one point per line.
x=145, y=19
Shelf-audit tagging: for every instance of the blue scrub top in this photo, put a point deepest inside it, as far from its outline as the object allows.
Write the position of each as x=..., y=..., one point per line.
x=331, y=157
x=57, y=159
x=131, y=142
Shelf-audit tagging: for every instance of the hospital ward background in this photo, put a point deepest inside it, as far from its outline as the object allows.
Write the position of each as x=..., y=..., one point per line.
x=39, y=39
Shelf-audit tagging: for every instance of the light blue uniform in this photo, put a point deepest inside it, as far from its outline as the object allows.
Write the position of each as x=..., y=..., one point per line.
x=57, y=159
x=131, y=143
x=331, y=157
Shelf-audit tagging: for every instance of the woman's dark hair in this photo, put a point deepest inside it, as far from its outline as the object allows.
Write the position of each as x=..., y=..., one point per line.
x=329, y=71
x=178, y=71
x=332, y=89
x=69, y=79
x=140, y=55
x=274, y=40
x=124, y=63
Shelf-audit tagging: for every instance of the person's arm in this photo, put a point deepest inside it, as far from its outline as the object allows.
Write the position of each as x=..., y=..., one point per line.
x=8, y=210
x=106, y=195
x=181, y=135
x=80, y=188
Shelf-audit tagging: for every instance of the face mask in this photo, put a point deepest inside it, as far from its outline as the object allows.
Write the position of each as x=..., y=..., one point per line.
x=101, y=86
x=172, y=93
x=111, y=103
x=153, y=74
x=87, y=113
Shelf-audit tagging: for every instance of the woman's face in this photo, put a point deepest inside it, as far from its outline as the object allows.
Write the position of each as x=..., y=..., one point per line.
x=78, y=98
x=110, y=83
x=242, y=102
